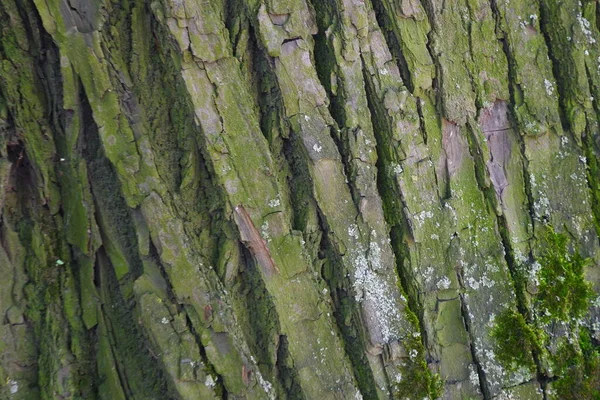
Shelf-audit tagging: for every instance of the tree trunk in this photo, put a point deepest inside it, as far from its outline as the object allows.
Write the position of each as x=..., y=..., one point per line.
x=304, y=199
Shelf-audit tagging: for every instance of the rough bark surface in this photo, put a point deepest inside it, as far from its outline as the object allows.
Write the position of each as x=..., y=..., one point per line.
x=304, y=199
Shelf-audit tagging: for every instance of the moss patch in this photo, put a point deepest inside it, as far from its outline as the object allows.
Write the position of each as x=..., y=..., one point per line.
x=578, y=365
x=562, y=299
x=563, y=292
x=515, y=341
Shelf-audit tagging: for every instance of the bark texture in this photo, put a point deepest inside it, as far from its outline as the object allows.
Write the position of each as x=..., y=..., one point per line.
x=303, y=199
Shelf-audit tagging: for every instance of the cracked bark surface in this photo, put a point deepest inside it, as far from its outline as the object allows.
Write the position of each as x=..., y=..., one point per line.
x=298, y=199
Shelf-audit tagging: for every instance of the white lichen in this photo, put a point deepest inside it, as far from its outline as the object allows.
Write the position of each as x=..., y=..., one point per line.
x=353, y=231
x=443, y=283
x=373, y=288
x=473, y=376
x=413, y=354
x=549, y=87
x=397, y=168
x=584, y=24
x=14, y=386
x=398, y=377
x=473, y=283
x=422, y=216
x=264, y=231
x=209, y=381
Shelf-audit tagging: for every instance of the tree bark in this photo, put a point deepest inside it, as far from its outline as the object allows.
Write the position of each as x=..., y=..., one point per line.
x=301, y=199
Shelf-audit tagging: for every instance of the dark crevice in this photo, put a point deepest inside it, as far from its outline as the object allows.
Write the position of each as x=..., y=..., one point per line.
x=422, y=122
x=155, y=256
x=287, y=375
x=301, y=192
x=516, y=271
x=386, y=23
x=483, y=384
x=591, y=149
x=392, y=199
x=324, y=56
x=261, y=328
x=291, y=40
x=267, y=93
x=346, y=312
x=515, y=95
x=235, y=22
x=138, y=373
x=288, y=152
x=219, y=388
x=275, y=128
x=438, y=79
x=394, y=210
x=106, y=190
x=119, y=20
x=166, y=117
x=320, y=243
x=564, y=76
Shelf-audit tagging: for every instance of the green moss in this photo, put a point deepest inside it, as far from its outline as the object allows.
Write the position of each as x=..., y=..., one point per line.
x=418, y=380
x=593, y=177
x=578, y=365
x=515, y=340
x=563, y=294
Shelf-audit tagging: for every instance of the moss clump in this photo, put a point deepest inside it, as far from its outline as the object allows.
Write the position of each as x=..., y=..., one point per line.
x=418, y=381
x=563, y=296
x=515, y=340
x=578, y=365
x=593, y=178
x=563, y=292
